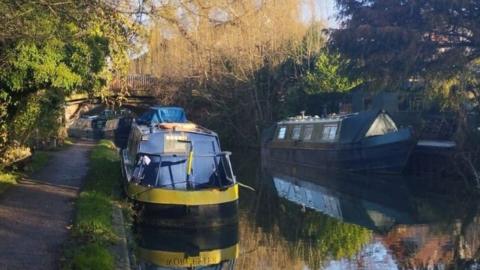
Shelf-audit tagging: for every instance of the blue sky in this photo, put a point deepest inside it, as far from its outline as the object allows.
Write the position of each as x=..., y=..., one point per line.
x=322, y=9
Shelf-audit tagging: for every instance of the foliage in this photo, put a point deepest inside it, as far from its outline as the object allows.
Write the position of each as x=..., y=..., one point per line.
x=92, y=230
x=232, y=75
x=49, y=50
x=93, y=256
x=39, y=160
x=390, y=41
x=327, y=75
x=13, y=154
x=318, y=238
x=7, y=180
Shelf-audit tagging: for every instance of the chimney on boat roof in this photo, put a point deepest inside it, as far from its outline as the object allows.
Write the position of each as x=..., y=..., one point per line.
x=302, y=113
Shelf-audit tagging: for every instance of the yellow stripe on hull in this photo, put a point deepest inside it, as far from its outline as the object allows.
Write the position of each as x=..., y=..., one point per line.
x=180, y=259
x=182, y=197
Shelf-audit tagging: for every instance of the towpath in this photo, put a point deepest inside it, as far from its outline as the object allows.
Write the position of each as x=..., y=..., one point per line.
x=35, y=214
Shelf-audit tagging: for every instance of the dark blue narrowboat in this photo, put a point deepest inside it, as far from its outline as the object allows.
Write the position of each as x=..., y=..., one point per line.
x=363, y=142
x=176, y=170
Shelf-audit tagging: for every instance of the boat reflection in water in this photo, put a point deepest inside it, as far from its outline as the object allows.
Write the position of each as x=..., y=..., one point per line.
x=377, y=206
x=366, y=222
x=206, y=248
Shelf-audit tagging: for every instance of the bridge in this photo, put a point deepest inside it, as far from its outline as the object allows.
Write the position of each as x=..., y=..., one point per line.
x=137, y=91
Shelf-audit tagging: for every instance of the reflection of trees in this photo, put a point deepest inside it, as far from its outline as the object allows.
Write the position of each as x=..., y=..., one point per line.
x=317, y=237
x=451, y=243
x=306, y=236
x=468, y=242
x=264, y=250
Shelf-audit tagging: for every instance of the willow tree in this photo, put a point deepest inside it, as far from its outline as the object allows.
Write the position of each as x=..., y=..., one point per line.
x=228, y=56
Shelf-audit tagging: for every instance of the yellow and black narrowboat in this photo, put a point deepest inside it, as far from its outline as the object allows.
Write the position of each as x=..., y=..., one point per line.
x=176, y=170
x=211, y=248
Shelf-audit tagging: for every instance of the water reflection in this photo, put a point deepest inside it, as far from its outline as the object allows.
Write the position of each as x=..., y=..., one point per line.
x=311, y=220
x=301, y=218
x=206, y=248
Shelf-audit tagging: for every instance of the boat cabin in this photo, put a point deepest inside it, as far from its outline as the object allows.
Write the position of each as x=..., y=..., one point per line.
x=168, y=152
x=334, y=129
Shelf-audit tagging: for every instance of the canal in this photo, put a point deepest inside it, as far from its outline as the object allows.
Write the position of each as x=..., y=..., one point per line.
x=302, y=218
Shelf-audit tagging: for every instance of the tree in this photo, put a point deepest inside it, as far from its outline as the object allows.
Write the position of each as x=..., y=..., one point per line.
x=230, y=63
x=49, y=50
x=327, y=76
x=390, y=41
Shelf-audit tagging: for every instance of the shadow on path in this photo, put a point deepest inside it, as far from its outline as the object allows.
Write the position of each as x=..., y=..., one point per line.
x=36, y=213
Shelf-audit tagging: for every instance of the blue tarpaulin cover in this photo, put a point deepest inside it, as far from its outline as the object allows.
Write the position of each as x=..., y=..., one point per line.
x=160, y=114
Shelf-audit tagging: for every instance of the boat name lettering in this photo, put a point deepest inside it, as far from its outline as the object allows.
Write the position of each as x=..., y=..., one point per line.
x=190, y=261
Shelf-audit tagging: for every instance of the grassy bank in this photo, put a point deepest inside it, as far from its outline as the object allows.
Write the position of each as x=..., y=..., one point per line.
x=38, y=160
x=92, y=233
x=7, y=180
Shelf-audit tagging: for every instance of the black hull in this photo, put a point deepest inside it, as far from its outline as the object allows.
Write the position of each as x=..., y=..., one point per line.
x=182, y=216
x=383, y=154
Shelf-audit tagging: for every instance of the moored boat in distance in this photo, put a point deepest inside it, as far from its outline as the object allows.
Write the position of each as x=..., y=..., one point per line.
x=366, y=142
x=176, y=170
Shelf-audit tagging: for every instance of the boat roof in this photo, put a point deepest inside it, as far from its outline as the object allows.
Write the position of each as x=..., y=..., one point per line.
x=353, y=126
x=312, y=119
x=156, y=143
x=356, y=126
x=176, y=127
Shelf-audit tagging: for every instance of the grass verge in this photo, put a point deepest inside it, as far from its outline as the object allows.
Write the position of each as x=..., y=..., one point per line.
x=92, y=233
x=38, y=160
x=7, y=180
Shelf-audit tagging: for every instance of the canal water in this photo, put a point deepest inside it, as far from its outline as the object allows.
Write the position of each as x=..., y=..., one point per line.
x=302, y=218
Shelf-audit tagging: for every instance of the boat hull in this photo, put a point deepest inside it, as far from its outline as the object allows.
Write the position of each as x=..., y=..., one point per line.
x=185, y=208
x=388, y=153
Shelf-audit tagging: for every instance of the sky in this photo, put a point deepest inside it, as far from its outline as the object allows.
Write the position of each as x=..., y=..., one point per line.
x=321, y=10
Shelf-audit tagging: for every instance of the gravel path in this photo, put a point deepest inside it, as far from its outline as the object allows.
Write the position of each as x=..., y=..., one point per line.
x=35, y=214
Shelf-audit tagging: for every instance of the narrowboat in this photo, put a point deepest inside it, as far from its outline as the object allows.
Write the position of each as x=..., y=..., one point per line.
x=362, y=142
x=176, y=170
x=210, y=248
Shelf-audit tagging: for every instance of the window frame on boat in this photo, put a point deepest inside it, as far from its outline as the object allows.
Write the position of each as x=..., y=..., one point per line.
x=282, y=132
x=329, y=136
x=296, y=132
x=376, y=130
x=169, y=176
x=308, y=132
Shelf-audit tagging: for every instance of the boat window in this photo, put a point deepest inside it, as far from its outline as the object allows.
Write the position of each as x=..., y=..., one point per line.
x=296, y=132
x=175, y=143
x=146, y=169
x=383, y=124
x=329, y=132
x=170, y=172
x=281, y=133
x=307, y=134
